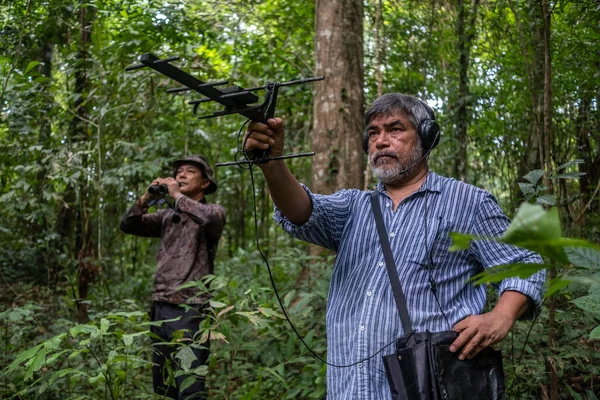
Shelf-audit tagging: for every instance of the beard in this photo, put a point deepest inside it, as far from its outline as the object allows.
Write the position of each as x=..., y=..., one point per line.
x=389, y=173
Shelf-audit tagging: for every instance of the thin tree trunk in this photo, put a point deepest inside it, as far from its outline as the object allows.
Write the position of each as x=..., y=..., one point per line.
x=466, y=33
x=80, y=133
x=548, y=165
x=534, y=66
x=379, y=46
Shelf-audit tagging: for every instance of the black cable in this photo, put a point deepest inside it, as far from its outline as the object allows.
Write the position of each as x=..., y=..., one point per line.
x=315, y=355
x=432, y=283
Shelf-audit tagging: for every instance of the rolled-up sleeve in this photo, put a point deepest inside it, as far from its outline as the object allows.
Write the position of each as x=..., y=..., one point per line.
x=327, y=220
x=491, y=221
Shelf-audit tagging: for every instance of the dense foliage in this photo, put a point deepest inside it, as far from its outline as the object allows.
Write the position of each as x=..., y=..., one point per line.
x=80, y=139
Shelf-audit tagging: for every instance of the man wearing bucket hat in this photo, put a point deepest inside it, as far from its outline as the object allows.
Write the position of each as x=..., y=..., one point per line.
x=189, y=235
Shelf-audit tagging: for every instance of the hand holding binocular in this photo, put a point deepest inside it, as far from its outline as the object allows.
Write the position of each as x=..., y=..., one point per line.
x=161, y=189
x=158, y=193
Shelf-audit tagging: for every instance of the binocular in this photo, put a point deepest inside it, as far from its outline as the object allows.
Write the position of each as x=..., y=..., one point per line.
x=161, y=189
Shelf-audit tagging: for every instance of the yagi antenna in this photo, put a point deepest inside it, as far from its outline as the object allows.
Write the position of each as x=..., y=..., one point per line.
x=234, y=99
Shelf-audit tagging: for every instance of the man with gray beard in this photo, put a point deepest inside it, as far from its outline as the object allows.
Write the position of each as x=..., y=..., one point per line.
x=420, y=209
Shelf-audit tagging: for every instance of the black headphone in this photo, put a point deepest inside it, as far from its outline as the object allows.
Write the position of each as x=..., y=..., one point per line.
x=428, y=132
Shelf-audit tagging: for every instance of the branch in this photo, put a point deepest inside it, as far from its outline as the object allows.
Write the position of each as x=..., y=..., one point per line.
x=588, y=204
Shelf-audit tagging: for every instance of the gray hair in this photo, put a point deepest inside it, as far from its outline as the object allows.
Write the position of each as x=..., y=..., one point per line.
x=415, y=109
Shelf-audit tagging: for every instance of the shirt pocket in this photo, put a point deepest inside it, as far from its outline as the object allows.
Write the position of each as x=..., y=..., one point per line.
x=432, y=251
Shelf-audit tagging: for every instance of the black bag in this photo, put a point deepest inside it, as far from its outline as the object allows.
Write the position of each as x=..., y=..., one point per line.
x=423, y=368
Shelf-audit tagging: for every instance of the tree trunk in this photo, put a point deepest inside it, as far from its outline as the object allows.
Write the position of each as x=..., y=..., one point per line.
x=339, y=101
x=338, y=106
x=80, y=133
x=466, y=33
x=534, y=66
x=379, y=47
x=548, y=166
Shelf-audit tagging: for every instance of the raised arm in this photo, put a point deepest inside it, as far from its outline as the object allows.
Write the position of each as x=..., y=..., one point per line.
x=137, y=221
x=287, y=193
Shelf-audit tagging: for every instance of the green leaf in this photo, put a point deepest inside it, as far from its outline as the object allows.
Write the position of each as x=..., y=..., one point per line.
x=187, y=382
x=534, y=176
x=532, y=222
x=501, y=272
x=546, y=200
x=97, y=380
x=59, y=374
x=251, y=317
x=76, y=330
x=104, y=325
x=595, y=333
x=590, y=303
x=584, y=257
x=568, y=175
x=186, y=357
x=129, y=315
x=527, y=188
x=538, y=230
x=269, y=312
x=54, y=343
x=555, y=286
x=53, y=358
x=566, y=165
x=216, y=304
x=24, y=356
x=128, y=338
x=34, y=364
x=31, y=65
x=460, y=241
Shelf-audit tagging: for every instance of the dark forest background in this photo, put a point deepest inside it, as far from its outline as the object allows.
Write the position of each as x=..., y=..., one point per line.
x=516, y=88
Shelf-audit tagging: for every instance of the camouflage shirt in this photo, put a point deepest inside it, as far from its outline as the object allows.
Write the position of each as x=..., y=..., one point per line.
x=187, y=248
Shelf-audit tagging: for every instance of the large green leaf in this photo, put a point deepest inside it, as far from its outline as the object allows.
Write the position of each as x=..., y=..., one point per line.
x=186, y=357
x=566, y=165
x=533, y=223
x=534, y=176
x=460, y=241
x=31, y=65
x=555, y=286
x=590, y=303
x=595, y=333
x=585, y=257
x=501, y=272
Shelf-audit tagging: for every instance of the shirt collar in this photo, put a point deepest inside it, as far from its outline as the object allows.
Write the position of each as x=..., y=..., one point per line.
x=432, y=184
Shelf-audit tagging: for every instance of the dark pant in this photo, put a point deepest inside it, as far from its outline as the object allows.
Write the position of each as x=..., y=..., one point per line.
x=164, y=353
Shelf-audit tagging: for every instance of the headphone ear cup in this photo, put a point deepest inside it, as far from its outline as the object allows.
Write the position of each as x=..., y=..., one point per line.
x=429, y=132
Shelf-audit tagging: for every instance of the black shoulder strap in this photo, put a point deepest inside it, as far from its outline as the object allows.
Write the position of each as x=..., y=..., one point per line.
x=391, y=265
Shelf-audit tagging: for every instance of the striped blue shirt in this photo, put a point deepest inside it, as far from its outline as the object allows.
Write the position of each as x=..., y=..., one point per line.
x=361, y=314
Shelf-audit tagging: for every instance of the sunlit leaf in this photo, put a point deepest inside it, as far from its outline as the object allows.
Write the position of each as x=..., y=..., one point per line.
x=31, y=65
